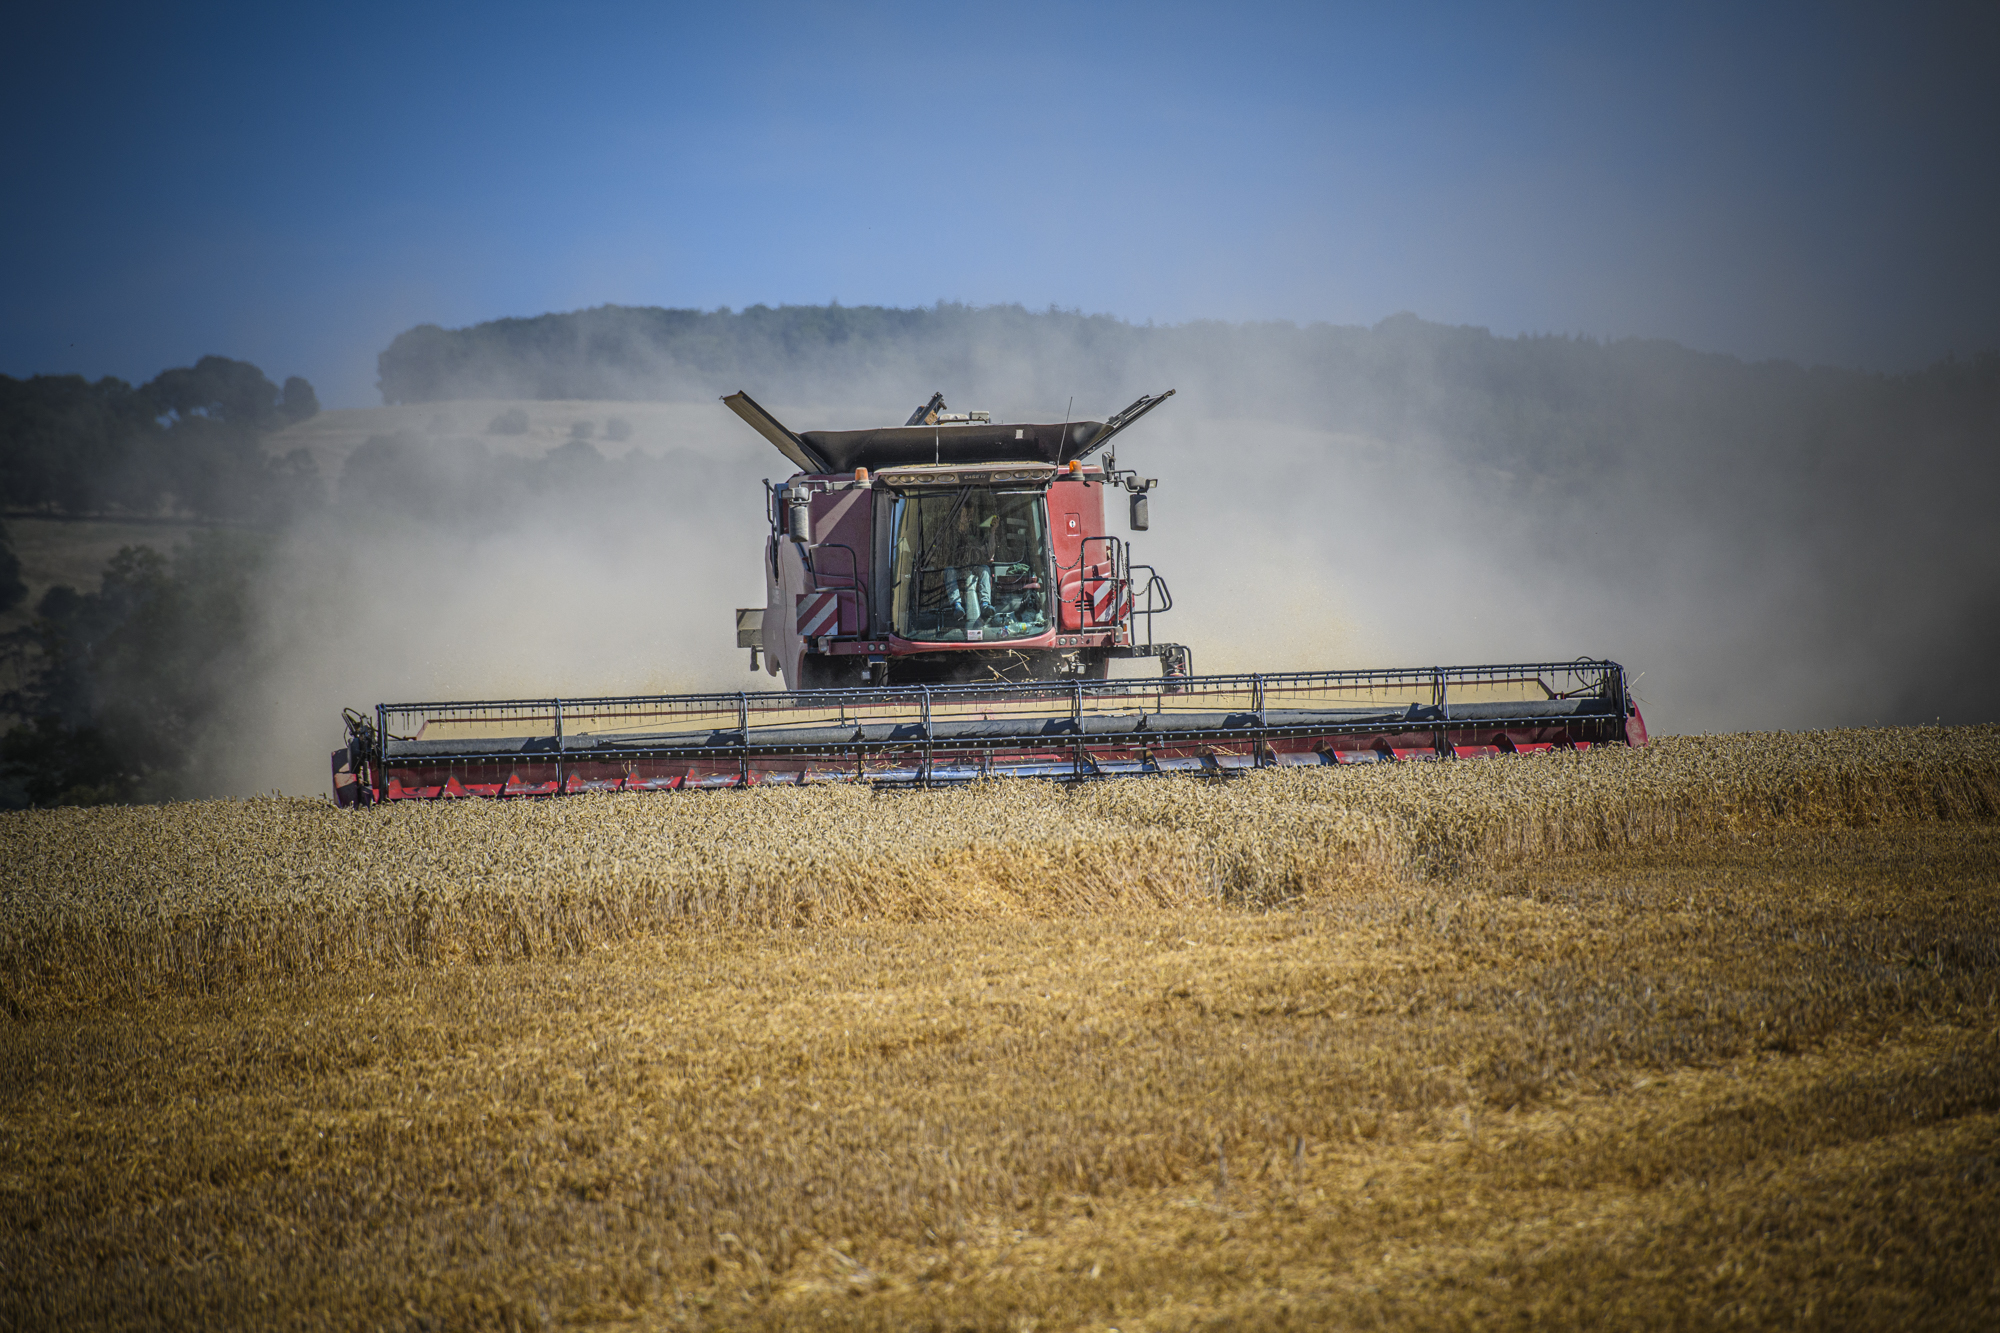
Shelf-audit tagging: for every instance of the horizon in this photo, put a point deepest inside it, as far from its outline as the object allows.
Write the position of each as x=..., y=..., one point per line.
x=379, y=399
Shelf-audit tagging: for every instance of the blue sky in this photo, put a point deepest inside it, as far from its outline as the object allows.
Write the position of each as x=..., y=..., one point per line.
x=295, y=186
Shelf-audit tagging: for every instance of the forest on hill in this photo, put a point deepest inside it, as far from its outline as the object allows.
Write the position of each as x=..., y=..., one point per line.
x=1534, y=406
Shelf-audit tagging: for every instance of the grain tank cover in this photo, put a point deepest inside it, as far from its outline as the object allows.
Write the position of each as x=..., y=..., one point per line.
x=958, y=440
x=889, y=446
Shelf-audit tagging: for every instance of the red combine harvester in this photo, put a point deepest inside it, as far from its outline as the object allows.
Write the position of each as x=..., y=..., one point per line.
x=949, y=550
x=944, y=602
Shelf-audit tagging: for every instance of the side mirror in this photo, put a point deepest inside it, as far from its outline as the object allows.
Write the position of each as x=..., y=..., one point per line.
x=1138, y=511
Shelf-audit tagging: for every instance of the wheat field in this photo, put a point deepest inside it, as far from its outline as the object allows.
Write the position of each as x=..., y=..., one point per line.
x=1697, y=1035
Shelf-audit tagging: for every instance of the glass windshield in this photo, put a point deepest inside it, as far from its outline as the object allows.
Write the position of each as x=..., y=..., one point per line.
x=971, y=564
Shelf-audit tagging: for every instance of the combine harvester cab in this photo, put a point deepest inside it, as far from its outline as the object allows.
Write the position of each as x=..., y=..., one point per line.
x=951, y=550
x=943, y=602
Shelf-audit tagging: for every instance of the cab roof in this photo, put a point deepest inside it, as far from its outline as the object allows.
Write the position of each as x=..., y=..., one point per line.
x=829, y=451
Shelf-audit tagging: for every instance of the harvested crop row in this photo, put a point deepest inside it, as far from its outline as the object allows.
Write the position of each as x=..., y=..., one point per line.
x=98, y=901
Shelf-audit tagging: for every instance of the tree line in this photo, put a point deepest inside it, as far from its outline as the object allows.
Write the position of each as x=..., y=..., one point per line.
x=111, y=689
x=1533, y=406
x=190, y=442
x=121, y=685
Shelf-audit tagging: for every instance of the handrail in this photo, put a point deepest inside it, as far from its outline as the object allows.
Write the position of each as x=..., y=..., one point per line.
x=1601, y=672
x=1149, y=610
x=1085, y=616
x=853, y=584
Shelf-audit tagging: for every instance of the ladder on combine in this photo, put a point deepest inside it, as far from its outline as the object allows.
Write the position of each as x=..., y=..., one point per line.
x=942, y=734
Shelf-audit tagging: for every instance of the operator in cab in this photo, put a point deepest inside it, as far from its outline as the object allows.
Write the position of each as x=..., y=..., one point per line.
x=968, y=555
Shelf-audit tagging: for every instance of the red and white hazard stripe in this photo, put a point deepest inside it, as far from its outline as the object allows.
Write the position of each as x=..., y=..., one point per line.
x=1109, y=599
x=819, y=613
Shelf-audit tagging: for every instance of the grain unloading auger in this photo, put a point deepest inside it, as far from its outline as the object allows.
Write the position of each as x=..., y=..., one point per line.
x=944, y=603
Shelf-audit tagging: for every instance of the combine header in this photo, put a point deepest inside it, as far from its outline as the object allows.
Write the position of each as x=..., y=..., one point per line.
x=927, y=734
x=943, y=602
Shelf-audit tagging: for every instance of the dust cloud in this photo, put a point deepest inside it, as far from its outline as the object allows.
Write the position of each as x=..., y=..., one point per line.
x=1753, y=566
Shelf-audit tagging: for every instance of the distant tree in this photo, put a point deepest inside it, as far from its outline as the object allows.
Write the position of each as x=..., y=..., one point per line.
x=383, y=469
x=45, y=763
x=582, y=430
x=297, y=401
x=12, y=591
x=131, y=678
x=423, y=480
x=292, y=485
x=573, y=455
x=68, y=444
x=424, y=357
x=192, y=437
x=223, y=390
x=617, y=430
x=511, y=422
